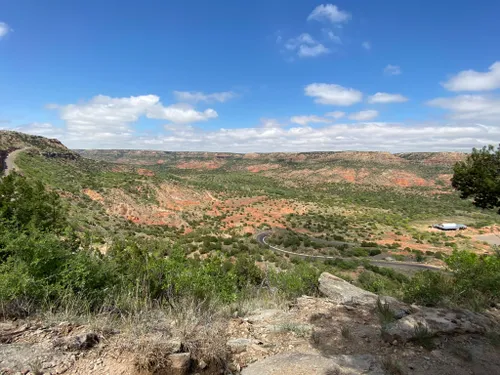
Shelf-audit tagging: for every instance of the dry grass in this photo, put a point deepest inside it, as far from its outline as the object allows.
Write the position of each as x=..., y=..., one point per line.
x=392, y=366
x=300, y=330
x=259, y=299
x=36, y=367
x=346, y=332
x=423, y=337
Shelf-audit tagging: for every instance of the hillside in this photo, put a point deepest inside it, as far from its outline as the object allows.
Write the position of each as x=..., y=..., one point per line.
x=115, y=191
x=10, y=140
x=137, y=262
x=160, y=157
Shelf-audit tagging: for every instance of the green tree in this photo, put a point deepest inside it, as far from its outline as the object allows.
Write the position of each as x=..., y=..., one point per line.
x=25, y=204
x=478, y=177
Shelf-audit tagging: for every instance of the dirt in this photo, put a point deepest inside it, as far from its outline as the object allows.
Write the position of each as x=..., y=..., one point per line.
x=318, y=331
x=92, y=194
x=492, y=239
x=145, y=172
x=201, y=165
x=262, y=167
x=249, y=213
x=317, y=327
x=362, y=176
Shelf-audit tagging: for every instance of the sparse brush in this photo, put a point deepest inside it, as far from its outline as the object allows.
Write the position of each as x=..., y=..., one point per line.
x=494, y=338
x=200, y=328
x=300, y=330
x=335, y=371
x=423, y=337
x=392, y=366
x=36, y=367
x=462, y=353
x=384, y=313
x=346, y=332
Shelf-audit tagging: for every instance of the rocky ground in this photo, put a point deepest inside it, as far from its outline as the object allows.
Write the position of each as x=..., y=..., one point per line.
x=348, y=331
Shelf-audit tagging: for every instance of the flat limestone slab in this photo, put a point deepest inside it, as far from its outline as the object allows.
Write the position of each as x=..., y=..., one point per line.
x=314, y=364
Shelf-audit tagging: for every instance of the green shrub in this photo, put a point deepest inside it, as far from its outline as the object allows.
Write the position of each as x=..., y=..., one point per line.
x=427, y=288
x=298, y=281
x=384, y=313
x=374, y=252
x=476, y=278
x=377, y=283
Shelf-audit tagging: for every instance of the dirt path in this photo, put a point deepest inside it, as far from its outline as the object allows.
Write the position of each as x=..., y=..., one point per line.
x=10, y=160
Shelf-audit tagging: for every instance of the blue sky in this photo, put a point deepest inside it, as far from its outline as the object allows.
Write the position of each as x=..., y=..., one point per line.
x=252, y=76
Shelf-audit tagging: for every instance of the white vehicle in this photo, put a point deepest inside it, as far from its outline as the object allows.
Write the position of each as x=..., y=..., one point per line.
x=450, y=226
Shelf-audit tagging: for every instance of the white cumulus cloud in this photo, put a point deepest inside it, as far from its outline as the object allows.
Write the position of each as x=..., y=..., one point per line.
x=312, y=51
x=107, y=118
x=383, y=97
x=335, y=114
x=305, y=120
x=306, y=46
x=4, y=29
x=470, y=80
x=330, y=13
x=392, y=70
x=332, y=94
x=364, y=135
x=477, y=108
x=366, y=115
x=180, y=113
x=196, y=96
x=330, y=35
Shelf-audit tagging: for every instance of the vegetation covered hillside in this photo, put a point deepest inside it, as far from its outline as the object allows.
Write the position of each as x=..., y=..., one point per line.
x=356, y=209
x=10, y=140
x=177, y=242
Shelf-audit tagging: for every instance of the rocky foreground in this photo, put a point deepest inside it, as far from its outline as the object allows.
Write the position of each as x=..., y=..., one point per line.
x=348, y=331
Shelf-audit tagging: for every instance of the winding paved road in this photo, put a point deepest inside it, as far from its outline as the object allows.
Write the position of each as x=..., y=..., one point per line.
x=261, y=238
x=10, y=160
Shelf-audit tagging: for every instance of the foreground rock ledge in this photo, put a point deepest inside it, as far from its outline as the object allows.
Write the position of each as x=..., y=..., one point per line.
x=342, y=292
x=314, y=364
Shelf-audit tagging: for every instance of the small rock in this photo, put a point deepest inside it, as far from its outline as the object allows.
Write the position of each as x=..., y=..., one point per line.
x=237, y=346
x=81, y=342
x=202, y=364
x=234, y=367
x=395, y=342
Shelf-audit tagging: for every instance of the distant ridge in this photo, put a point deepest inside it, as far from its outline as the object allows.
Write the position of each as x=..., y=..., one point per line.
x=380, y=157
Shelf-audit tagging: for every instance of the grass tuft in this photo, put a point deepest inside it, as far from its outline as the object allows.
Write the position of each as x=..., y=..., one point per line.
x=392, y=366
x=423, y=337
x=300, y=330
x=384, y=313
x=346, y=332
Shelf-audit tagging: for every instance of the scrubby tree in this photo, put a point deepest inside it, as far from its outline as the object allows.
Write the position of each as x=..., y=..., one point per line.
x=478, y=177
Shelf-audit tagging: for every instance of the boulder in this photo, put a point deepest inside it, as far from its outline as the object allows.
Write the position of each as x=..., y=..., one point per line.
x=314, y=364
x=342, y=292
x=437, y=322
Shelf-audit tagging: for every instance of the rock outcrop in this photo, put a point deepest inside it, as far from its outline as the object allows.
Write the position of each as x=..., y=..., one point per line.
x=342, y=292
x=314, y=364
x=436, y=322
